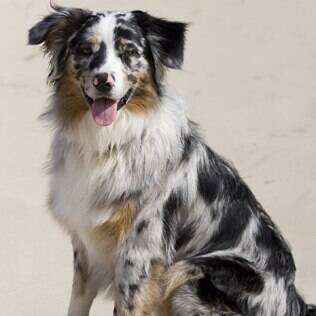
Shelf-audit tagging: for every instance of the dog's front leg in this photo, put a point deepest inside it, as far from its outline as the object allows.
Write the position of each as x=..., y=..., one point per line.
x=83, y=289
x=140, y=270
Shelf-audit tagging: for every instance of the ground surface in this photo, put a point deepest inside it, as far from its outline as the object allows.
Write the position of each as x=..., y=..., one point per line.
x=250, y=81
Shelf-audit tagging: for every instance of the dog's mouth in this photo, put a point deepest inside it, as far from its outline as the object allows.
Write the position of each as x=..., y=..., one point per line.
x=104, y=110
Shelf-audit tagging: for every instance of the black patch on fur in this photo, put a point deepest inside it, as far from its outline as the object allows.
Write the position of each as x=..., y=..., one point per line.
x=212, y=296
x=231, y=227
x=280, y=260
x=99, y=57
x=189, y=143
x=184, y=235
x=174, y=233
x=165, y=38
x=187, y=146
x=128, y=34
x=132, y=289
x=141, y=226
x=208, y=185
x=170, y=209
x=154, y=70
x=218, y=179
x=212, y=176
x=173, y=203
x=234, y=276
x=129, y=263
x=226, y=279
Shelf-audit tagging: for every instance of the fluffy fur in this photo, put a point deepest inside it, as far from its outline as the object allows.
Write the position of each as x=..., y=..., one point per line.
x=157, y=219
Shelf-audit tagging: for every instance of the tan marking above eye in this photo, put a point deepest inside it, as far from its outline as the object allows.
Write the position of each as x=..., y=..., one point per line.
x=93, y=40
x=121, y=41
x=125, y=44
x=95, y=43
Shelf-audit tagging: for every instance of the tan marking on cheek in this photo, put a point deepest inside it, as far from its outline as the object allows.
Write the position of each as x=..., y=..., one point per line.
x=145, y=97
x=93, y=40
x=132, y=78
x=70, y=104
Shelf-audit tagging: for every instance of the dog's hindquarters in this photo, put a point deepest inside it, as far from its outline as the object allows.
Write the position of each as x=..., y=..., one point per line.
x=230, y=285
x=211, y=286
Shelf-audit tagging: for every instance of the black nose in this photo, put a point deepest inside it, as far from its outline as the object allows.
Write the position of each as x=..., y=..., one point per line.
x=103, y=81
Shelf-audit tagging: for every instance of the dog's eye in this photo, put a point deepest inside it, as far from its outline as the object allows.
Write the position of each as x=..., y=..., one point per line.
x=86, y=50
x=130, y=52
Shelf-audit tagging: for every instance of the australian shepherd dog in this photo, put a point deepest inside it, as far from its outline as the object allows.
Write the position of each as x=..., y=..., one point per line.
x=157, y=219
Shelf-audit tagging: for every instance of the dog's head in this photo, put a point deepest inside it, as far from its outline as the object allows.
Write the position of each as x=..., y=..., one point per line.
x=113, y=60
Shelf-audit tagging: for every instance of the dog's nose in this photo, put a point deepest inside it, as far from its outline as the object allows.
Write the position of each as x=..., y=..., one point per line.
x=104, y=81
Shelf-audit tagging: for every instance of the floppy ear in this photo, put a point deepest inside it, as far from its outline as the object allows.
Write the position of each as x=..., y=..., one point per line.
x=57, y=27
x=55, y=32
x=166, y=39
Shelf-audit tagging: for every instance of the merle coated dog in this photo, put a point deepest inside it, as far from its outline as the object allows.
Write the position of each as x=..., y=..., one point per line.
x=156, y=217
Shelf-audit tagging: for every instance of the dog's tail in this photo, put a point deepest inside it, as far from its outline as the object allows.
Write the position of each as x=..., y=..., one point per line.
x=311, y=310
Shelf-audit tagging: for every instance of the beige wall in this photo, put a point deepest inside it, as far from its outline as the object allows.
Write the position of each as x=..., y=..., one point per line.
x=250, y=81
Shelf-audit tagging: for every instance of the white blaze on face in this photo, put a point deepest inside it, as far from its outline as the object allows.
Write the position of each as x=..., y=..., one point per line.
x=105, y=108
x=112, y=64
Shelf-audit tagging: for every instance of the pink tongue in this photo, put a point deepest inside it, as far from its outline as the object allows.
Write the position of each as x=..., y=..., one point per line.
x=104, y=111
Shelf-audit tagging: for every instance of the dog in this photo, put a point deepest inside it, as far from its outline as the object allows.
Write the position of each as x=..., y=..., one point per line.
x=157, y=219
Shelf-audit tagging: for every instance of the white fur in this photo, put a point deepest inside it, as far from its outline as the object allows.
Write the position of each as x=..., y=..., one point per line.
x=78, y=169
x=273, y=299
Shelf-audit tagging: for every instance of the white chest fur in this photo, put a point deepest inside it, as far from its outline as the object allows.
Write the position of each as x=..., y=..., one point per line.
x=73, y=182
x=71, y=187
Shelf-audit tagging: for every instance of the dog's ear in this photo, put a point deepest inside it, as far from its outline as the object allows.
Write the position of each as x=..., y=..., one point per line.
x=57, y=27
x=166, y=38
x=55, y=32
